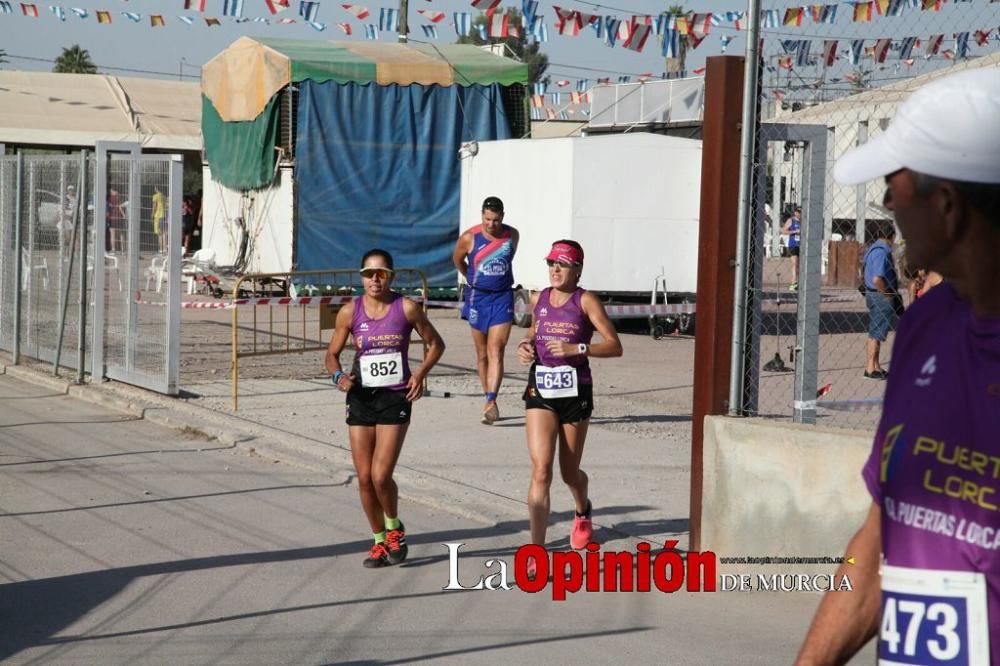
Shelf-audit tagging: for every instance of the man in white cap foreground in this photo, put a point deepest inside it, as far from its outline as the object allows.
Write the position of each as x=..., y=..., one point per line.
x=926, y=572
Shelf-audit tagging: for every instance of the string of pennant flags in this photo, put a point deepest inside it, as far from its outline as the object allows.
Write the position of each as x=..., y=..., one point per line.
x=633, y=33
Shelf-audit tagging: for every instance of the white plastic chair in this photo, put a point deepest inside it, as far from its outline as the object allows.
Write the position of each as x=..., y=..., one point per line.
x=201, y=264
x=157, y=270
x=110, y=264
x=29, y=268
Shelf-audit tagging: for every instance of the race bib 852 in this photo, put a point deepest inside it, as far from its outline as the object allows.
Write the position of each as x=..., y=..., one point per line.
x=381, y=370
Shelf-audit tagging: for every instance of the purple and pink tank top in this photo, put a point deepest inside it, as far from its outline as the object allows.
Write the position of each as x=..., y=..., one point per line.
x=381, y=346
x=567, y=323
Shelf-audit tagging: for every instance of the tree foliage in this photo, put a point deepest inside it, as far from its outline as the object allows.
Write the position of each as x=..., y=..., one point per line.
x=528, y=52
x=678, y=64
x=74, y=60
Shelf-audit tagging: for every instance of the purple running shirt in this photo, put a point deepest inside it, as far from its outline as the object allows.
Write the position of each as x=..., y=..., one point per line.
x=567, y=323
x=934, y=468
x=382, y=346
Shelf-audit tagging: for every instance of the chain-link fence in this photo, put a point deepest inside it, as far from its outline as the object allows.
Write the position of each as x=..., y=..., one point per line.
x=58, y=275
x=827, y=84
x=139, y=198
x=44, y=226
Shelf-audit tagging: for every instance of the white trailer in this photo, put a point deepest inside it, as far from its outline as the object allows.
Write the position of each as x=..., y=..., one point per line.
x=251, y=230
x=631, y=200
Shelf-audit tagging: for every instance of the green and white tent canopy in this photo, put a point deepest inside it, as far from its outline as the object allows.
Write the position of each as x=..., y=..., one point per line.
x=241, y=80
x=240, y=88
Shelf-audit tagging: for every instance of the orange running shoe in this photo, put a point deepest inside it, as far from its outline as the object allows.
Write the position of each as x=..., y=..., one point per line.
x=378, y=557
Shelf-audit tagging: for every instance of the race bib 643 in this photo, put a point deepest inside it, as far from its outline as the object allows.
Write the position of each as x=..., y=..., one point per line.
x=557, y=382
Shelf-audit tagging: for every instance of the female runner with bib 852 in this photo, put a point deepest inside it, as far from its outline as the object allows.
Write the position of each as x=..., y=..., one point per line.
x=560, y=395
x=380, y=391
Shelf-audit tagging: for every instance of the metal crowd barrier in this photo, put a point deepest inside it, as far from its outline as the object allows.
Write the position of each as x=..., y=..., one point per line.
x=282, y=292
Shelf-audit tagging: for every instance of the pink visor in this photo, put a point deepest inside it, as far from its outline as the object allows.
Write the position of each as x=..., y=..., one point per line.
x=564, y=253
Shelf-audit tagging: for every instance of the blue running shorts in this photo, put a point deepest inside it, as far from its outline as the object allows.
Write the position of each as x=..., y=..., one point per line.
x=485, y=309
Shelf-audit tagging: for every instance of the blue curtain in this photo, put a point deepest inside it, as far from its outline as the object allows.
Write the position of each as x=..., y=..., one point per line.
x=377, y=166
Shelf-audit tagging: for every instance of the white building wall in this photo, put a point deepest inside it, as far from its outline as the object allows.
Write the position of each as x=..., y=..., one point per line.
x=631, y=200
x=268, y=215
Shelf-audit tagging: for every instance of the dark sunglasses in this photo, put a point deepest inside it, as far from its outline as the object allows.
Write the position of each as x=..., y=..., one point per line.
x=561, y=264
x=381, y=273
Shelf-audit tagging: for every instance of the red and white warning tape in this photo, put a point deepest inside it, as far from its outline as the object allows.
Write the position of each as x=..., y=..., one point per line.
x=620, y=311
x=822, y=299
x=226, y=305
x=865, y=405
x=614, y=311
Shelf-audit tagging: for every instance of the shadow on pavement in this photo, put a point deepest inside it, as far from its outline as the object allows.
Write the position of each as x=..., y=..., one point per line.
x=644, y=528
x=124, y=419
x=45, y=461
x=642, y=418
x=476, y=649
x=173, y=498
x=34, y=611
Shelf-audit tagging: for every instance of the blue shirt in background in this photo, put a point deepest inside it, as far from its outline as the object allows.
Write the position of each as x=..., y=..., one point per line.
x=878, y=263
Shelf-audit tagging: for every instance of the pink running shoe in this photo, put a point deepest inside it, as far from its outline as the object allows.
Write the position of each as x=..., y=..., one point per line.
x=583, y=531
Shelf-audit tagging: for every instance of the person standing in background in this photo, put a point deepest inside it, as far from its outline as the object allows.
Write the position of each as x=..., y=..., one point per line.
x=793, y=227
x=160, y=218
x=881, y=297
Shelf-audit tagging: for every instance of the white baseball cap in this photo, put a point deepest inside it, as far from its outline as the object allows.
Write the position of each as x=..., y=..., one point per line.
x=949, y=128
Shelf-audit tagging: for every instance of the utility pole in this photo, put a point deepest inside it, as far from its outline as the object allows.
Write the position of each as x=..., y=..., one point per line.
x=404, y=8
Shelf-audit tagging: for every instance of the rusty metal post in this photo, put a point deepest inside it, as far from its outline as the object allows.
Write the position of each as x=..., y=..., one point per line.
x=720, y=176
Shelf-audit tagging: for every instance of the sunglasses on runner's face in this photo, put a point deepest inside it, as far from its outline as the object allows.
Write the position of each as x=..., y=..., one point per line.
x=382, y=273
x=561, y=264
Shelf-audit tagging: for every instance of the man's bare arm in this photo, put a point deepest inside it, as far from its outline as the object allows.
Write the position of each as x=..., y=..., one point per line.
x=846, y=620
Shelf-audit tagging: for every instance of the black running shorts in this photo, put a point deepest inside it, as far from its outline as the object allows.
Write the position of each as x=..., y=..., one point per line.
x=377, y=406
x=569, y=410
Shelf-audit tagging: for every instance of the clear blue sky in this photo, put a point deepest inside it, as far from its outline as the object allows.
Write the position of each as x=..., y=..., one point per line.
x=137, y=46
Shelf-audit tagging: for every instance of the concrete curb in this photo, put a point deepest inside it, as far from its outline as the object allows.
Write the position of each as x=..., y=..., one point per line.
x=435, y=492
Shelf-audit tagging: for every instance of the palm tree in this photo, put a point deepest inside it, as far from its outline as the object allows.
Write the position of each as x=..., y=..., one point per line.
x=859, y=78
x=678, y=64
x=527, y=52
x=74, y=60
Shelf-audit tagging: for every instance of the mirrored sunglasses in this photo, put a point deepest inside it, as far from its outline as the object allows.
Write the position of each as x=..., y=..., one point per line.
x=370, y=273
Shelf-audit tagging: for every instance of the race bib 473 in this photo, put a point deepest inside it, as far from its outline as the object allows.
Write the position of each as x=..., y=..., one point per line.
x=933, y=617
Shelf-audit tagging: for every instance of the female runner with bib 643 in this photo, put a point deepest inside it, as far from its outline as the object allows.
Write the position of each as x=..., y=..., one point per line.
x=560, y=395
x=380, y=391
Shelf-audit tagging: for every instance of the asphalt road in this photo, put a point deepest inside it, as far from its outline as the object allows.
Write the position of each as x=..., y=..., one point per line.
x=125, y=542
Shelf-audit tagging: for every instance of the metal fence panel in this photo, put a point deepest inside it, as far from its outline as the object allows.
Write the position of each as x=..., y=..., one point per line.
x=8, y=257
x=81, y=238
x=39, y=271
x=807, y=344
x=143, y=239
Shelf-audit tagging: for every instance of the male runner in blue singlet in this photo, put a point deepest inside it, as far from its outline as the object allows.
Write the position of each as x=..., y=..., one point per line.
x=484, y=254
